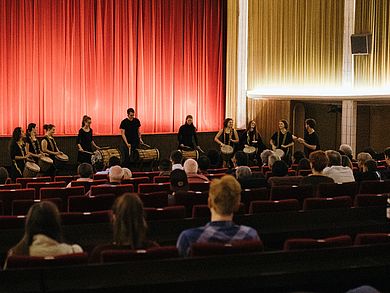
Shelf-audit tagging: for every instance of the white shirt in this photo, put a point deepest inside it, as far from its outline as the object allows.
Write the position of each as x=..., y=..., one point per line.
x=339, y=174
x=177, y=166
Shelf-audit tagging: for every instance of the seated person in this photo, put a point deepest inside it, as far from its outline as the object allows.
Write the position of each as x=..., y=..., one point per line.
x=272, y=159
x=203, y=165
x=279, y=169
x=3, y=175
x=304, y=164
x=361, y=159
x=113, y=161
x=240, y=159
x=297, y=156
x=264, y=156
x=370, y=172
x=245, y=178
x=346, y=162
x=179, y=181
x=42, y=235
x=191, y=169
x=224, y=200
x=129, y=226
x=215, y=159
x=115, y=178
x=85, y=171
x=318, y=162
x=177, y=159
x=385, y=174
x=279, y=175
x=127, y=174
x=338, y=173
x=165, y=167
x=346, y=150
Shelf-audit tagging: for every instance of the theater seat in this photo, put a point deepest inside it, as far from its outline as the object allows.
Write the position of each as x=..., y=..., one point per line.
x=199, y=186
x=251, y=194
x=374, y=187
x=203, y=211
x=21, y=207
x=235, y=247
x=191, y=198
x=66, y=178
x=154, y=199
x=38, y=185
x=369, y=200
x=8, y=196
x=24, y=181
x=90, y=204
x=291, y=192
x=74, y=218
x=167, y=213
x=87, y=185
x=153, y=187
x=334, y=189
x=22, y=262
x=161, y=179
x=327, y=203
x=372, y=238
x=61, y=192
x=310, y=243
x=139, y=254
x=269, y=206
x=136, y=181
x=10, y=186
x=118, y=190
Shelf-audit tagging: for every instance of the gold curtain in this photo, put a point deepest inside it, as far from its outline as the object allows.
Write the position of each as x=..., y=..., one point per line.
x=373, y=70
x=231, y=59
x=295, y=43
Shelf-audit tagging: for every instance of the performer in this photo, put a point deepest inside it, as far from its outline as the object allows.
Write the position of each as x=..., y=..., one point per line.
x=311, y=141
x=131, y=135
x=251, y=137
x=48, y=144
x=18, y=153
x=282, y=139
x=85, y=141
x=187, y=134
x=33, y=146
x=227, y=136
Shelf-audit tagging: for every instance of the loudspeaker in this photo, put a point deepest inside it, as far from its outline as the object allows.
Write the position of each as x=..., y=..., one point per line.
x=361, y=44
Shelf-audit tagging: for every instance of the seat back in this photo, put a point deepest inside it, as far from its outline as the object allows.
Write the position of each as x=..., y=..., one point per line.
x=87, y=185
x=190, y=198
x=374, y=187
x=38, y=185
x=139, y=254
x=21, y=207
x=251, y=194
x=203, y=211
x=161, y=179
x=291, y=192
x=61, y=192
x=136, y=181
x=24, y=181
x=118, y=190
x=310, y=243
x=304, y=172
x=235, y=247
x=285, y=181
x=372, y=238
x=199, y=186
x=153, y=187
x=334, y=189
x=10, y=186
x=270, y=206
x=76, y=218
x=100, y=177
x=90, y=204
x=167, y=213
x=8, y=196
x=327, y=203
x=22, y=262
x=369, y=200
x=154, y=199
x=151, y=174
x=66, y=178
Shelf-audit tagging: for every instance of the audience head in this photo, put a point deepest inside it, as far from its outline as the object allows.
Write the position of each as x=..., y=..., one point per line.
x=190, y=166
x=272, y=159
x=304, y=164
x=318, y=161
x=279, y=168
x=310, y=123
x=241, y=159
x=243, y=172
x=129, y=225
x=116, y=174
x=265, y=155
x=176, y=157
x=203, y=163
x=387, y=155
x=370, y=166
x=333, y=157
x=85, y=170
x=362, y=158
x=114, y=161
x=179, y=180
x=215, y=160
x=165, y=165
x=347, y=150
x=42, y=218
x=3, y=175
x=346, y=162
x=224, y=196
x=99, y=166
x=297, y=156
x=127, y=174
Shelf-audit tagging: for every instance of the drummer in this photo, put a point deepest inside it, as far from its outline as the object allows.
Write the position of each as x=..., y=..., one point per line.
x=282, y=139
x=48, y=144
x=32, y=141
x=187, y=134
x=18, y=153
x=85, y=141
x=251, y=138
x=227, y=136
x=131, y=135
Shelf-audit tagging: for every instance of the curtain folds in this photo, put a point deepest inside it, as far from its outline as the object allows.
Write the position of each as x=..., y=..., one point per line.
x=60, y=60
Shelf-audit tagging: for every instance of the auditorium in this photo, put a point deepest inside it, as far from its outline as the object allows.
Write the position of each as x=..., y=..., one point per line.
x=195, y=146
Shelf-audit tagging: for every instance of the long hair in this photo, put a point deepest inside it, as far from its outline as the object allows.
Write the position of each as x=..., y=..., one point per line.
x=192, y=124
x=129, y=223
x=249, y=126
x=42, y=218
x=16, y=134
x=85, y=119
x=226, y=122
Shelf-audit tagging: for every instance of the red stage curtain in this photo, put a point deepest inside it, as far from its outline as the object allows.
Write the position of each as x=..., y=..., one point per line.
x=62, y=59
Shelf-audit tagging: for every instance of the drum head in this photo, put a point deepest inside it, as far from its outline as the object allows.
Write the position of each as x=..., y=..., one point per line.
x=47, y=160
x=33, y=167
x=249, y=150
x=227, y=149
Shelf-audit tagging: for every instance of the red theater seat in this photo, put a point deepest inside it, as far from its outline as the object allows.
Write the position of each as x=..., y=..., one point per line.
x=217, y=171
x=310, y=243
x=154, y=199
x=372, y=238
x=10, y=186
x=139, y=254
x=22, y=262
x=90, y=204
x=100, y=177
x=269, y=206
x=291, y=192
x=8, y=196
x=136, y=181
x=327, y=203
x=61, y=192
x=191, y=198
x=215, y=176
x=38, y=185
x=374, y=187
x=251, y=194
x=304, y=172
x=151, y=175
x=118, y=190
x=153, y=187
x=24, y=181
x=161, y=179
x=21, y=207
x=66, y=179
x=87, y=185
x=167, y=213
x=203, y=211
x=12, y=222
x=334, y=189
x=74, y=218
x=236, y=247
x=199, y=186
x=369, y=200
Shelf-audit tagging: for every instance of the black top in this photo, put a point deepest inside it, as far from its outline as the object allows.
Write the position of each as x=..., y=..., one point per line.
x=311, y=139
x=280, y=139
x=316, y=180
x=131, y=130
x=249, y=136
x=85, y=139
x=225, y=137
x=51, y=145
x=370, y=175
x=18, y=165
x=186, y=135
x=34, y=146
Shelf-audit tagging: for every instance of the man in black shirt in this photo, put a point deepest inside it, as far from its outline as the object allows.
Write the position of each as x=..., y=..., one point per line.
x=131, y=136
x=311, y=141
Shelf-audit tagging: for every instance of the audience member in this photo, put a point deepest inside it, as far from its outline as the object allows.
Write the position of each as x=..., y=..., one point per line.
x=247, y=180
x=42, y=233
x=386, y=172
x=177, y=159
x=265, y=155
x=346, y=149
x=346, y=162
x=215, y=159
x=240, y=159
x=297, y=156
x=85, y=171
x=129, y=226
x=362, y=158
x=116, y=175
x=279, y=169
x=127, y=174
x=370, y=172
x=335, y=171
x=165, y=167
x=113, y=161
x=304, y=164
x=3, y=175
x=272, y=159
x=224, y=200
x=318, y=162
x=179, y=180
x=191, y=169
x=203, y=165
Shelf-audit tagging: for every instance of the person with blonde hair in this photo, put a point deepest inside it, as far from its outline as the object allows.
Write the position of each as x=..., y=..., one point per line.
x=224, y=199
